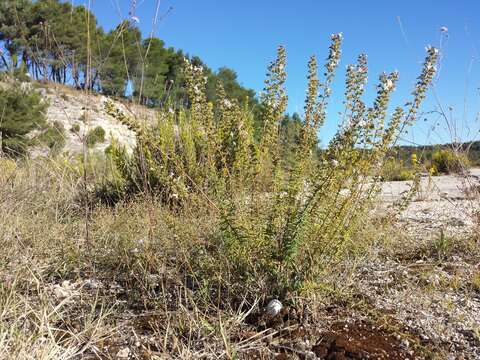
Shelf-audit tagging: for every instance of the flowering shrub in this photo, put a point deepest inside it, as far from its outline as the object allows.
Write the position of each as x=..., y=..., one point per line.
x=280, y=226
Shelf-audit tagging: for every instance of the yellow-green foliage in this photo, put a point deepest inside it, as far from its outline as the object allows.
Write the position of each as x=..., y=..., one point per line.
x=476, y=281
x=396, y=170
x=7, y=169
x=95, y=136
x=449, y=161
x=278, y=226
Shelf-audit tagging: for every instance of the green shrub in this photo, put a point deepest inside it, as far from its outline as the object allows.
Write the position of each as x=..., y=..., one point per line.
x=21, y=111
x=405, y=175
x=442, y=245
x=95, y=136
x=279, y=227
x=447, y=161
x=53, y=136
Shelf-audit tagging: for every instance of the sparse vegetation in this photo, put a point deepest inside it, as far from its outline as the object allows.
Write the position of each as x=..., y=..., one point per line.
x=438, y=159
x=395, y=170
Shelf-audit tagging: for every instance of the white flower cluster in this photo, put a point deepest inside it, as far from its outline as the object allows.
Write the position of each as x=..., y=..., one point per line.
x=362, y=123
x=227, y=103
x=273, y=103
x=194, y=68
x=353, y=123
x=334, y=56
x=429, y=48
x=389, y=85
x=336, y=36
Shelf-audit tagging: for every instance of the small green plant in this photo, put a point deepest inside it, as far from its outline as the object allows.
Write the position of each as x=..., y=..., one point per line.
x=95, y=136
x=396, y=170
x=83, y=117
x=406, y=175
x=442, y=245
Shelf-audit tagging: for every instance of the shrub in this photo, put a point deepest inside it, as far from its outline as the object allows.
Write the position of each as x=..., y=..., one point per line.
x=396, y=170
x=405, y=175
x=280, y=227
x=53, y=136
x=95, y=136
x=21, y=111
x=448, y=161
x=75, y=128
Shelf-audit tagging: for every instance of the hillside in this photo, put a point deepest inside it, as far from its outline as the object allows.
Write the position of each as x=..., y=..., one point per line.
x=78, y=113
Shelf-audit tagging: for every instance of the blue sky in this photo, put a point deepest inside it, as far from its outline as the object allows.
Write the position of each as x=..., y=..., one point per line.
x=243, y=35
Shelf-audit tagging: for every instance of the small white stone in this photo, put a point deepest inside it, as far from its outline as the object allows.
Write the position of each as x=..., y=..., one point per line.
x=273, y=307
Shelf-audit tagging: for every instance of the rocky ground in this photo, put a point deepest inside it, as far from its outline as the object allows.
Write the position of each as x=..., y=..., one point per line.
x=428, y=284
x=448, y=203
